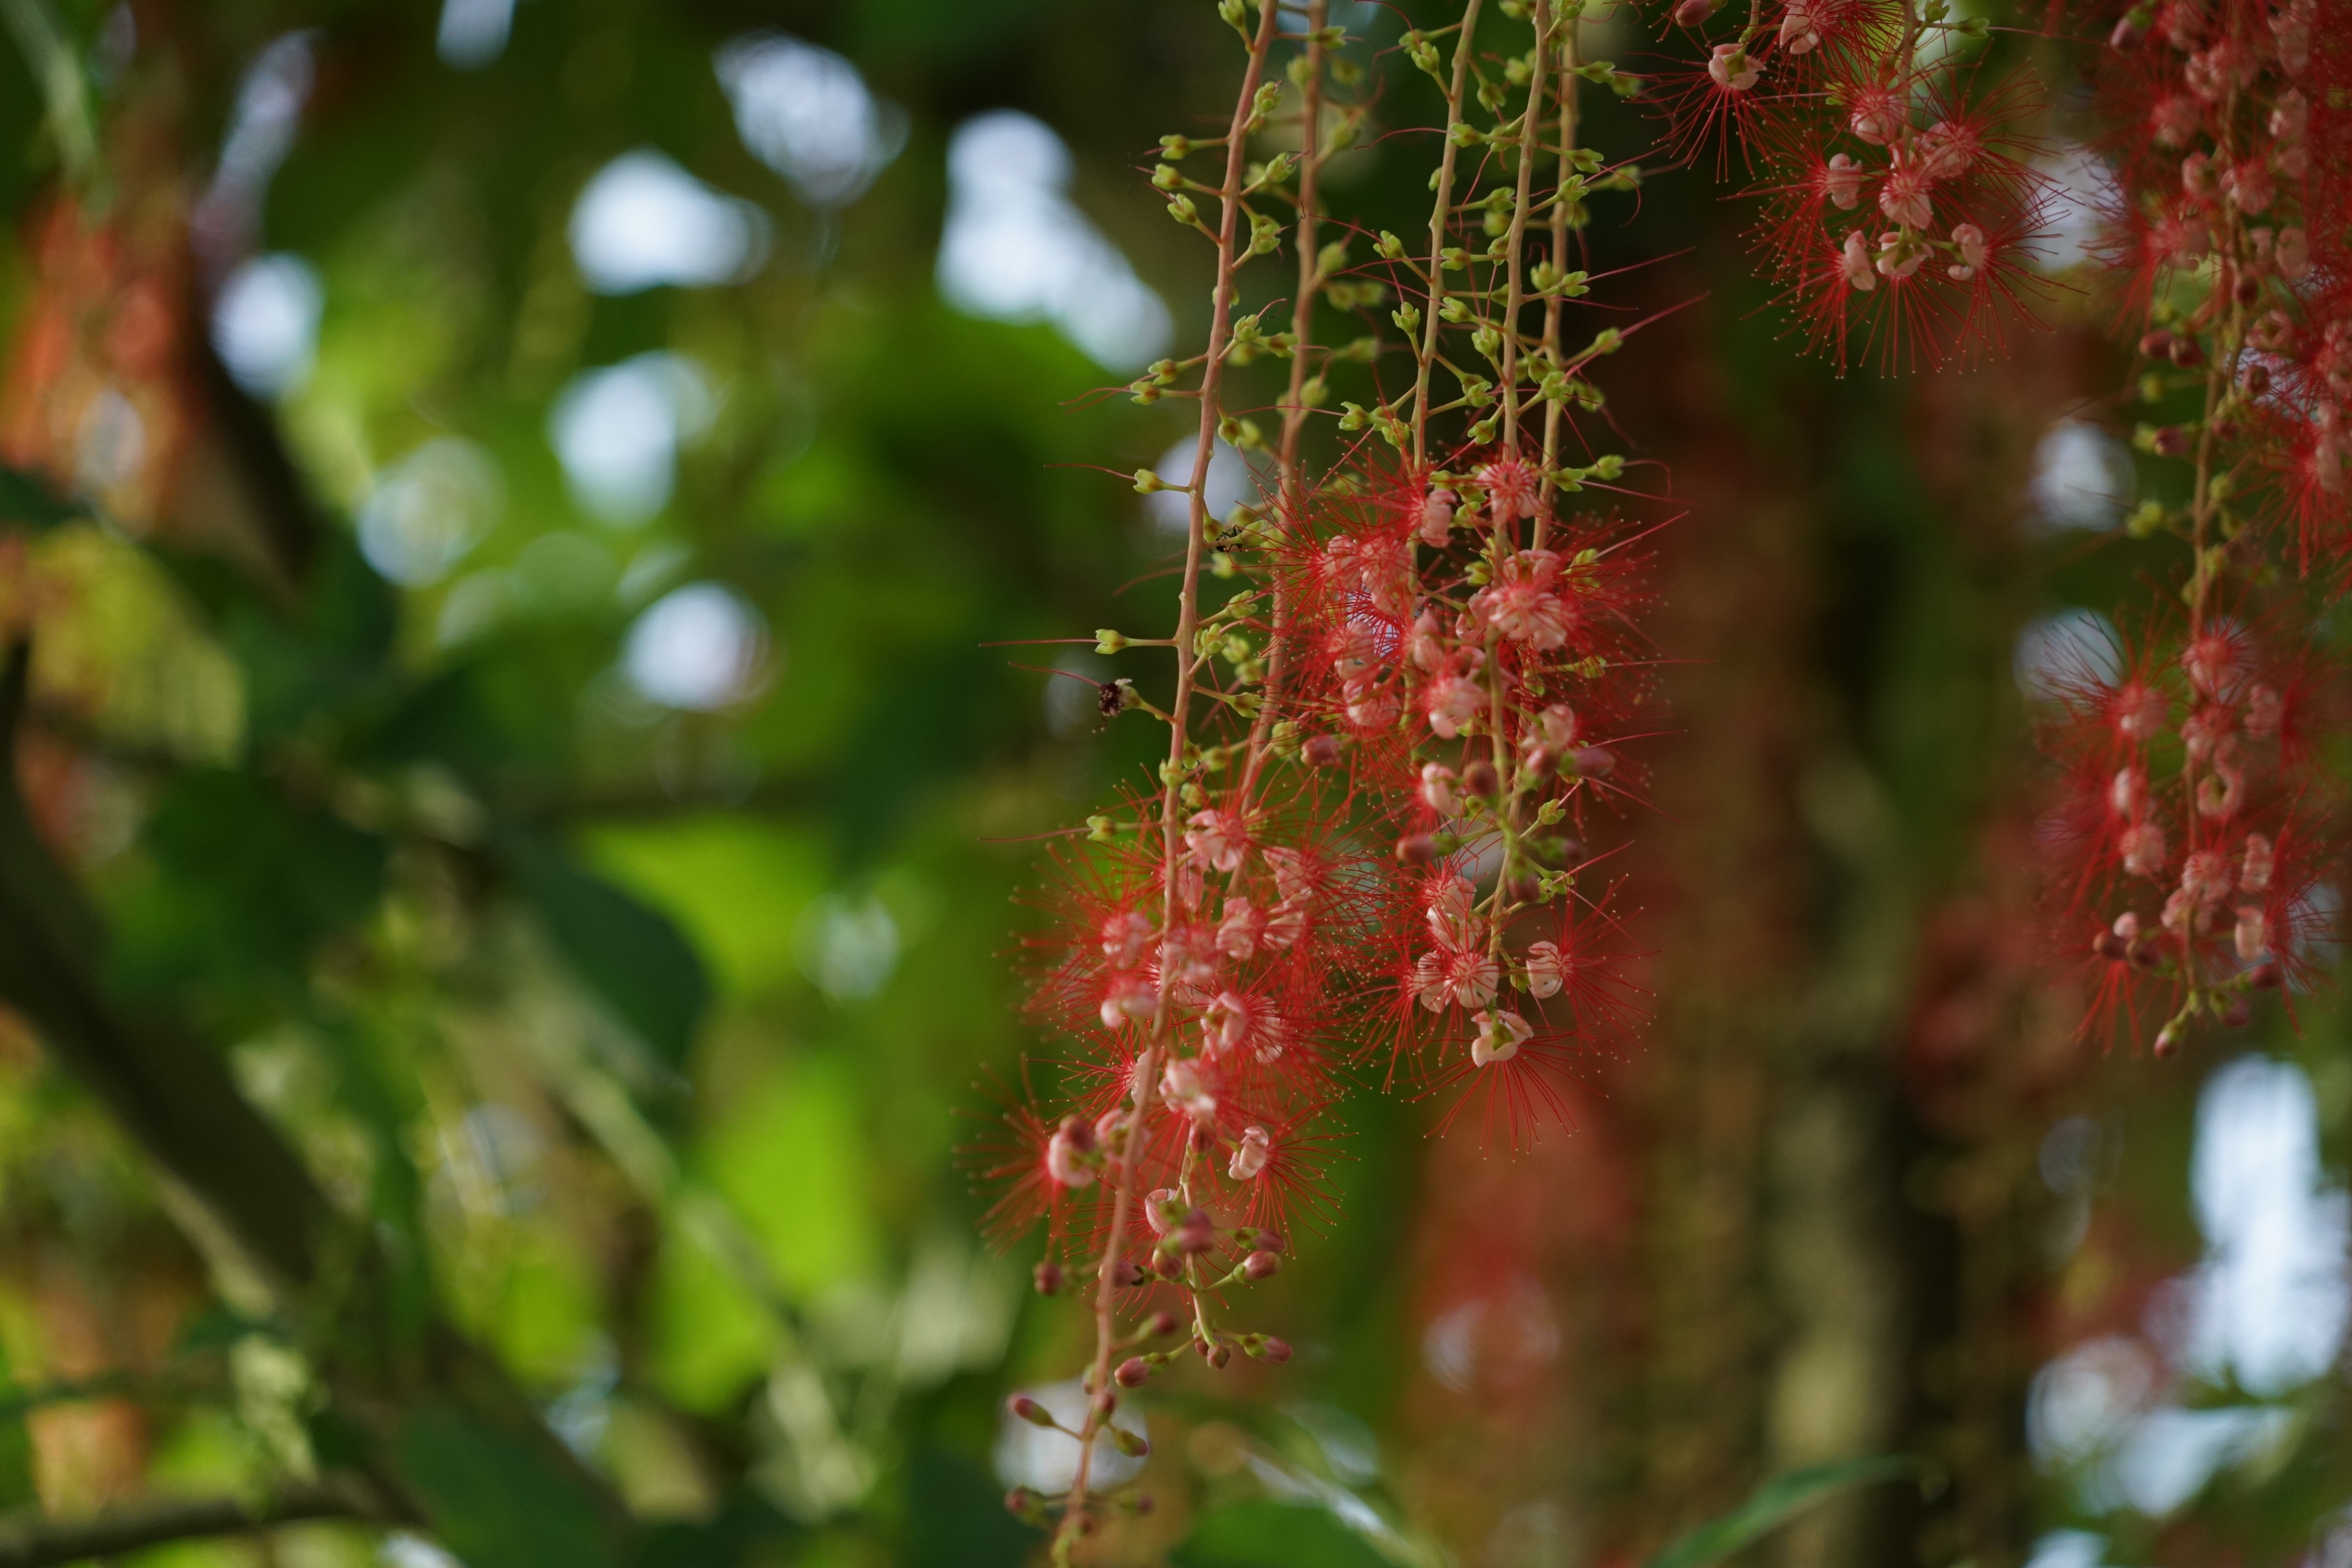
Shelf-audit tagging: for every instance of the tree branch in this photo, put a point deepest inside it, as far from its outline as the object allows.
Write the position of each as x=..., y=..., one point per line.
x=32, y=1540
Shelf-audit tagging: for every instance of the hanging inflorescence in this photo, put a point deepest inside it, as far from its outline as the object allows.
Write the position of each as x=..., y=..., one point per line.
x=2200, y=827
x=1407, y=678
x=1899, y=189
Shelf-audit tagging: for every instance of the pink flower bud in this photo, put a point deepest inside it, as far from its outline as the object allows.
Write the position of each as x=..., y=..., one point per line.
x=1048, y=1279
x=2252, y=935
x=1181, y=1085
x=1261, y=1266
x=1124, y=936
x=1876, y=116
x=2293, y=253
x=1899, y=255
x=2142, y=847
x=2255, y=875
x=2205, y=877
x=1853, y=265
x=2249, y=187
x=1320, y=750
x=1128, y=998
x=1798, y=35
x=1069, y=1156
x=2167, y=1040
x=1595, y=762
x=1027, y=1409
x=1479, y=779
x=1731, y=68
x=1973, y=252
x=2211, y=663
x=1437, y=518
x=1693, y=13
x=1133, y=1372
x=1842, y=182
x=1250, y=1157
x=2129, y=792
x=1547, y=969
x=1510, y=487
x=1500, y=1034
x=1437, y=789
x=1274, y=1350
x=1904, y=198
x=1217, y=837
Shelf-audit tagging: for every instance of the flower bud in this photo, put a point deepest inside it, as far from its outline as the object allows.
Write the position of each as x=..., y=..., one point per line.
x=2264, y=975
x=1029, y=1410
x=1256, y=1147
x=1595, y=761
x=1126, y=1274
x=1261, y=1266
x=2110, y=946
x=2167, y=1040
x=1221, y=1357
x=1274, y=1350
x=2236, y=1011
x=1133, y=1372
x=2157, y=344
x=1540, y=761
x=1693, y=13
x=1131, y=1444
x=1163, y=1325
x=1479, y=779
x=1417, y=849
x=1320, y=750
x=1022, y=1503
x=1048, y=1277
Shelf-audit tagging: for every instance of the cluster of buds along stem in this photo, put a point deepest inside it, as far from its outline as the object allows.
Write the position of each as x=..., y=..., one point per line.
x=2233, y=247
x=2197, y=823
x=2195, y=828
x=1899, y=195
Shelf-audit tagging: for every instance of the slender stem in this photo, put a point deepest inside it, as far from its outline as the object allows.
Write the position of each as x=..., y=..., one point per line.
x=1294, y=407
x=1188, y=617
x=1440, y=216
x=1310, y=272
x=1515, y=299
x=1554, y=305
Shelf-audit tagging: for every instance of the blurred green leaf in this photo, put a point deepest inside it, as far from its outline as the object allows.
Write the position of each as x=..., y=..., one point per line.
x=632, y=955
x=1778, y=1501
x=495, y=1502
x=957, y=1517
x=245, y=882
x=743, y=1526
x=26, y=498
x=15, y=1452
x=1276, y=1535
